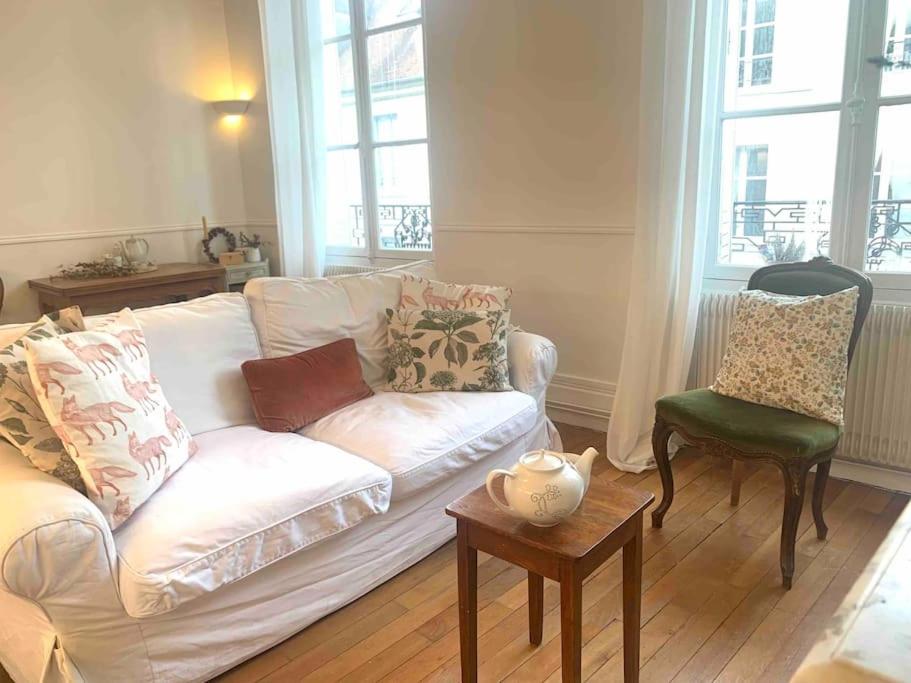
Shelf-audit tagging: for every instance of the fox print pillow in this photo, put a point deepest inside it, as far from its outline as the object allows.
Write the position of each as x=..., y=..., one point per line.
x=422, y=294
x=22, y=420
x=99, y=395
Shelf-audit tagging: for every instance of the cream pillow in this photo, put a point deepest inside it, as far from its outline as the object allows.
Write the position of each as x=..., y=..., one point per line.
x=421, y=294
x=447, y=350
x=22, y=420
x=109, y=412
x=790, y=352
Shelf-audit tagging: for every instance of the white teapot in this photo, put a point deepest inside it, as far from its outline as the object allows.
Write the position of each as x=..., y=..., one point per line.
x=544, y=487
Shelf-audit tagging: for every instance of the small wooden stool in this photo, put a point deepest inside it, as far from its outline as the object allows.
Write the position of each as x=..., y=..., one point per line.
x=609, y=518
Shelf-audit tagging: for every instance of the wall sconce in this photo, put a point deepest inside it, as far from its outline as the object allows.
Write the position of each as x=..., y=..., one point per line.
x=231, y=107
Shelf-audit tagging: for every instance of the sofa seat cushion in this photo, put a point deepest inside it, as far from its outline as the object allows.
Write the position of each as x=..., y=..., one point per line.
x=421, y=438
x=247, y=499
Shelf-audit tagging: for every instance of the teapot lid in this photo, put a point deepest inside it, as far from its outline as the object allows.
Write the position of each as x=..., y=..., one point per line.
x=542, y=461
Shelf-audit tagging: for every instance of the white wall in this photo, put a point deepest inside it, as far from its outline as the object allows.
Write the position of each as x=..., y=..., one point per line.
x=106, y=131
x=246, y=51
x=533, y=118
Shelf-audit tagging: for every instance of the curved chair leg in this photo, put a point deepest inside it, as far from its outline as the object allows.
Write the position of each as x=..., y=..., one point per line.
x=819, y=491
x=661, y=433
x=795, y=485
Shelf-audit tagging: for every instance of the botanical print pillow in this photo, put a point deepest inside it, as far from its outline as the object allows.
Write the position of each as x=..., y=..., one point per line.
x=22, y=420
x=421, y=294
x=790, y=352
x=110, y=413
x=447, y=350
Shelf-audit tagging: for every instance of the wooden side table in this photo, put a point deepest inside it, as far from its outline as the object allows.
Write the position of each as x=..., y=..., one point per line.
x=609, y=518
x=171, y=282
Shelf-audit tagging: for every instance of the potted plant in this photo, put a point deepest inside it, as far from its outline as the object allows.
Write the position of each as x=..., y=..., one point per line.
x=251, y=247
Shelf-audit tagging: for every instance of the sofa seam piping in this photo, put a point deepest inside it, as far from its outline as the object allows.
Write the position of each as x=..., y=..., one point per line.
x=253, y=534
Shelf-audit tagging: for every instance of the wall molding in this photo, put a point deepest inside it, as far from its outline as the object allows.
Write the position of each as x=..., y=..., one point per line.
x=70, y=235
x=536, y=229
x=580, y=401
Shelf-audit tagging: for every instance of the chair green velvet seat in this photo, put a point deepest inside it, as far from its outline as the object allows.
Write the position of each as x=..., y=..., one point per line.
x=749, y=427
x=743, y=432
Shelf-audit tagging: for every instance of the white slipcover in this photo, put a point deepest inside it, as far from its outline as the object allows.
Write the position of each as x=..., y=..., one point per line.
x=196, y=349
x=422, y=438
x=247, y=499
x=64, y=590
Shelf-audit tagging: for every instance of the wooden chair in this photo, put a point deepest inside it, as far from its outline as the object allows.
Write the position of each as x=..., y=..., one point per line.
x=743, y=431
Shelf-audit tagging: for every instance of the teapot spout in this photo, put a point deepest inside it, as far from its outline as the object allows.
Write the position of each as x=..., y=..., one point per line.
x=583, y=463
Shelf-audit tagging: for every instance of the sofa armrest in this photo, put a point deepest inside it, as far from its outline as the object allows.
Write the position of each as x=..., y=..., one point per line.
x=54, y=542
x=532, y=362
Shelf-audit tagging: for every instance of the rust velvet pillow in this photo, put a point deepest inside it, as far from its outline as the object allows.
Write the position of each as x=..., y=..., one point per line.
x=292, y=391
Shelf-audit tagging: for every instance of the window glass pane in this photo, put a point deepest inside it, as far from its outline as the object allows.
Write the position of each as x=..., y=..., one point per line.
x=386, y=12
x=335, y=18
x=889, y=232
x=777, y=177
x=396, y=62
x=338, y=84
x=403, y=195
x=344, y=200
x=765, y=10
x=784, y=53
x=897, y=78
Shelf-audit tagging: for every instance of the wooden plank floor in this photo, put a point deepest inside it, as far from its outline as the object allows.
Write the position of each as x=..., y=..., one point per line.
x=713, y=608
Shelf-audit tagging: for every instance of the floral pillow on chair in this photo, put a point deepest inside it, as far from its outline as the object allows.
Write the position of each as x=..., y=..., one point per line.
x=106, y=407
x=442, y=350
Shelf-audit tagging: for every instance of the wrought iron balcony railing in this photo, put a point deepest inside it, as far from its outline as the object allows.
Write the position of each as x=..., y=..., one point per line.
x=402, y=226
x=758, y=225
x=889, y=232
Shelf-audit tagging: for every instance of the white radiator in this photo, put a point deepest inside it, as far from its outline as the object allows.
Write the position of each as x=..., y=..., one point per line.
x=878, y=402
x=341, y=269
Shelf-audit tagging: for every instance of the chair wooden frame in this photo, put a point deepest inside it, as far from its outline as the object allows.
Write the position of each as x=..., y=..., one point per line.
x=801, y=278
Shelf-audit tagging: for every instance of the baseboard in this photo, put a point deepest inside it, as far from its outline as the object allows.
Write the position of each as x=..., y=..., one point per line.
x=580, y=401
x=880, y=477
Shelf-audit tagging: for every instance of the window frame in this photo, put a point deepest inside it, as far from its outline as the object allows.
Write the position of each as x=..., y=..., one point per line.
x=858, y=110
x=366, y=146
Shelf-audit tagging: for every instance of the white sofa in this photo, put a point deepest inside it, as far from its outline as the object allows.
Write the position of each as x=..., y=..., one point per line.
x=259, y=534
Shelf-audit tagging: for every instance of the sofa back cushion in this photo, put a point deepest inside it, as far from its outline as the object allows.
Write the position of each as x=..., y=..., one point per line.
x=196, y=350
x=295, y=314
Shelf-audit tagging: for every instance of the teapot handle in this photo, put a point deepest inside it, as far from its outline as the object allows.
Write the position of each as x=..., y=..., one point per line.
x=505, y=507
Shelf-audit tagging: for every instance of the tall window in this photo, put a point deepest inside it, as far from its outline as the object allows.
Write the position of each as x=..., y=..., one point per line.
x=818, y=159
x=378, y=194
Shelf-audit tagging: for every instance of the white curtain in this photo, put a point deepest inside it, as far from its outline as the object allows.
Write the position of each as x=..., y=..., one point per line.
x=292, y=50
x=670, y=226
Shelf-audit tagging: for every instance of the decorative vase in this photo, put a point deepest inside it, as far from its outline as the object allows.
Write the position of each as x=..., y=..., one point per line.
x=253, y=255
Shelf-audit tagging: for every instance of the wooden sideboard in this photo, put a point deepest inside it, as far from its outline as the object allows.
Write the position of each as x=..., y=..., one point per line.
x=172, y=282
